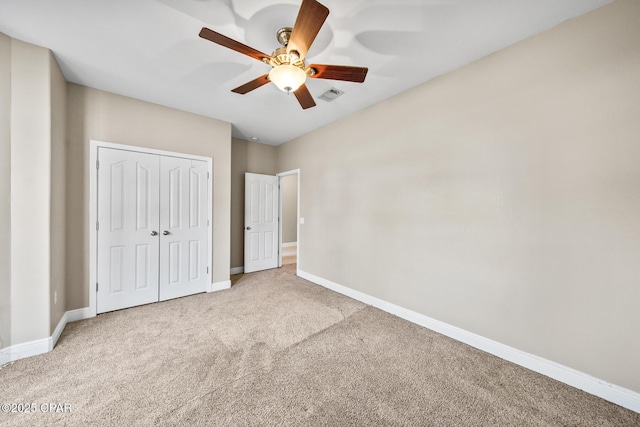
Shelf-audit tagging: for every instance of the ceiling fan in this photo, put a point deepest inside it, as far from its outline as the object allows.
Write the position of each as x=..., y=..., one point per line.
x=289, y=71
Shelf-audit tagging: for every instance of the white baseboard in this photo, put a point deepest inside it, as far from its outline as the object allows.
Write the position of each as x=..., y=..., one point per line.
x=289, y=244
x=219, y=286
x=27, y=349
x=68, y=317
x=58, y=331
x=44, y=345
x=611, y=392
x=236, y=270
x=79, y=314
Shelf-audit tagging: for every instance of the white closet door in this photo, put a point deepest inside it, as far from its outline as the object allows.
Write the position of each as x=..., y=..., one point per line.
x=128, y=221
x=260, y=222
x=183, y=227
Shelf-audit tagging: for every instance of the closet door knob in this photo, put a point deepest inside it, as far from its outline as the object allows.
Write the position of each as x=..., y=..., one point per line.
x=165, y=232
x=248, y=228
x=154, y=233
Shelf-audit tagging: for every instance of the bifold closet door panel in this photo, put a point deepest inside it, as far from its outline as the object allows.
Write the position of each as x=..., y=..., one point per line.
x=183, y=227
x=128, y=225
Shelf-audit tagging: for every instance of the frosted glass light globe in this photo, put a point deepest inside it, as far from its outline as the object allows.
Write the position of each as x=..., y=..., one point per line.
x=288, y=78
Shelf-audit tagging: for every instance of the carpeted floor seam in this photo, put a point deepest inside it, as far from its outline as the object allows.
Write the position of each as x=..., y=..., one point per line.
x=324, y=330
x=259, y=372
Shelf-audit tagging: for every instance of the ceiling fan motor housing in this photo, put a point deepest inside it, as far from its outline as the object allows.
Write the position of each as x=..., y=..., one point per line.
x=281, y=57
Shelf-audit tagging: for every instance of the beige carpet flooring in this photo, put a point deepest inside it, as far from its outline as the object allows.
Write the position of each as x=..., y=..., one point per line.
x=289, y=255
x=278, y=350
x=289, y=259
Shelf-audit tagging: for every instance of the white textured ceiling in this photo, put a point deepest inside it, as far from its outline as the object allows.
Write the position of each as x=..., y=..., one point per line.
x=150, y=49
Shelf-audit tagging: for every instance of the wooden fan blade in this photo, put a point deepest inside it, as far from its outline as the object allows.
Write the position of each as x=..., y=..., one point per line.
x=225, y=41
x=253, y=84
x=304, y=97
x=309, y=21
x=339, y=72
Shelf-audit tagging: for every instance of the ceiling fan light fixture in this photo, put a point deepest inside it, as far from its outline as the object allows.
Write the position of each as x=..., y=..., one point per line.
x=289, y=70
x=288, y=78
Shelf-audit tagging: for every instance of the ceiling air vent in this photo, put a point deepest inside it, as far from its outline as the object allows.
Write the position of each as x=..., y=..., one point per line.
x=331, y=94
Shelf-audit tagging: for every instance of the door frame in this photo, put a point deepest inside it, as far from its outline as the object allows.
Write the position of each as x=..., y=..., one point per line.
x=280, y=176
x=93, y=207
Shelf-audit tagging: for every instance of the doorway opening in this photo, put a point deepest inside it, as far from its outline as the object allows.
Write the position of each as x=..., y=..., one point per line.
x=289, y=214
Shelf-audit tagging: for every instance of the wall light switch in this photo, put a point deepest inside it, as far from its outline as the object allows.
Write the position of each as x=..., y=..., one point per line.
x=301, y=220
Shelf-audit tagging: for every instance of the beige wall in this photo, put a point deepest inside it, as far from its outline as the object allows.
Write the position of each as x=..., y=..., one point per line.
x=252, y=157
x=501, y=198
x=58, y=194
x=5, y=191
x=103, y=116
x=30, y=191
x=32, y=219
x=289, y=220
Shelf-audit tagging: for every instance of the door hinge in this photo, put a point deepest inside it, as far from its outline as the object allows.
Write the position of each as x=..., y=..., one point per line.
x=208, y=223
x=97, y=164
x=207, y=270
x=97, y=226
x=207, y=175
x=96, y=286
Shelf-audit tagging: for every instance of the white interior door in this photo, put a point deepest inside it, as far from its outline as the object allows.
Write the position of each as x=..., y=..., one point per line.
x=128, y=220
x=184, y=228
x=152, y=228
x=260, y=222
